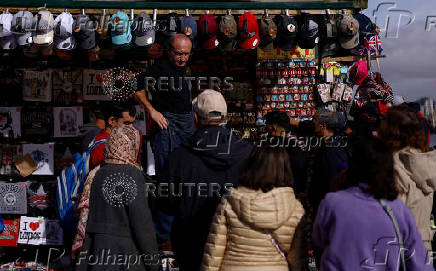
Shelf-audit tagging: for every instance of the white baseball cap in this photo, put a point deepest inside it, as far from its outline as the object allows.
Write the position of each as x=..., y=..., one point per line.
x=44, y=28
x=63, y=30
x=210, y=105
x=22, y=26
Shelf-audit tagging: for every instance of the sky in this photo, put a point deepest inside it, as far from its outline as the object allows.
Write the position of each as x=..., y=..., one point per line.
x=410, y=62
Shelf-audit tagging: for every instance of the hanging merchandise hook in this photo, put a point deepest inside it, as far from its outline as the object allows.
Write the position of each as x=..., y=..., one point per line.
x=266, y=12
x=83, y=11
x=229, y=12
x=154, y=17
x=206, y=11
x=132, y=14
x=287, y=12
x=6, y=10
x=43, y=7
x=187, y=12
x=170, y=11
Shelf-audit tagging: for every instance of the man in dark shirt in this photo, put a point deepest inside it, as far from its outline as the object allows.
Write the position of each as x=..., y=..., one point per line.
x=170, y=109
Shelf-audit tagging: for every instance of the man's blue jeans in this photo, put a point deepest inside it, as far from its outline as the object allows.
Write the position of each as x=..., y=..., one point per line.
x=162, y=143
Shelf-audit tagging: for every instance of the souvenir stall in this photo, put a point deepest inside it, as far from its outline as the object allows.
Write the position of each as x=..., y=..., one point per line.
x=56, y=74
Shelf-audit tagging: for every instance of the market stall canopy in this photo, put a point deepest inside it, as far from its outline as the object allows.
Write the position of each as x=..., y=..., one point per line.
x=214, y=4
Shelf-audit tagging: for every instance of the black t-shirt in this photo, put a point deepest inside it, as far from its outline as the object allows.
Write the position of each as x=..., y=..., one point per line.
x=170, y=95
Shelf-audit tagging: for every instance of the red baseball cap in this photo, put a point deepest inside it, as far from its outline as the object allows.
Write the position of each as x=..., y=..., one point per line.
x=207, y=29
x=248, y=31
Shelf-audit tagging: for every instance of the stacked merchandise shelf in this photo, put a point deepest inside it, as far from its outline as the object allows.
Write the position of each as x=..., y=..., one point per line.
x=286, y=82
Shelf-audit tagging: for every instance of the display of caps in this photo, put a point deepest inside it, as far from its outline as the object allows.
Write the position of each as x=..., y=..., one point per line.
x=268, y=33
x=188, y=26
x=171, y=24
x=63, y=32
x=307, y=32
x=44, y=28
x=143, y=30
x=227, y=32
x=120, y=29
x=287, y=29
x=22, y=25
x=208, y=29
x=248, y=30
x=348, y=31
x=84, y=32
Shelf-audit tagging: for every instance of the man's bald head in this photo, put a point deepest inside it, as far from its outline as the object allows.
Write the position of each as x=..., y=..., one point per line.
x=180, y=47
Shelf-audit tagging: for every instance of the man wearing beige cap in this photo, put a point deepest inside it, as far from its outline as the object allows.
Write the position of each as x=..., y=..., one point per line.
x=203, y=169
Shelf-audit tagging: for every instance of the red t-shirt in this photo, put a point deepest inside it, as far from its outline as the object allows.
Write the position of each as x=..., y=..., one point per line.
x=96, y=156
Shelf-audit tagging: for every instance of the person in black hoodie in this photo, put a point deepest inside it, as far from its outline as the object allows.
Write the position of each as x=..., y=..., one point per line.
x=201, y=171
x=331, y=157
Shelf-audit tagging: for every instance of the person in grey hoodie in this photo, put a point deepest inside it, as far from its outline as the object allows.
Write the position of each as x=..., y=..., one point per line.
x=414, y=165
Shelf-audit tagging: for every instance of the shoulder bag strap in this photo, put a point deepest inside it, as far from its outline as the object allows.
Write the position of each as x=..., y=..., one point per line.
x=391, y=215
x=276, y=245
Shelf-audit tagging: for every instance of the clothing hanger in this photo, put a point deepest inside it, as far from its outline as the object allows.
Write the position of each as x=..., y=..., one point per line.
x=186, y=12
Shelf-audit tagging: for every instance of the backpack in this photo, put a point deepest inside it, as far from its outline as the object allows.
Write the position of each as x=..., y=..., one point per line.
x=70, y=186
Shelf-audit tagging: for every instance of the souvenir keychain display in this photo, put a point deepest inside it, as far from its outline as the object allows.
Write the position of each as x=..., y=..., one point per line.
x=335, y=92
x=286, y=86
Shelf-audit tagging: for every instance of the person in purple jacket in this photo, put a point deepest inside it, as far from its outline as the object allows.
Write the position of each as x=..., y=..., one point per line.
x=352, y=228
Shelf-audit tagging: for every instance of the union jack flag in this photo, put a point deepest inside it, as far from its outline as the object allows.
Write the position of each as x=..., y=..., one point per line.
x=373, y=44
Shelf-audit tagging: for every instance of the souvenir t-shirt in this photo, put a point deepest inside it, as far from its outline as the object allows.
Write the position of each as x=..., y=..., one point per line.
x=32, y=230
x=67, y=121
x=37, y=121
x=37, y=86
x=10, y=121
x=13, y=198
x=9, y=236
x=43, y=156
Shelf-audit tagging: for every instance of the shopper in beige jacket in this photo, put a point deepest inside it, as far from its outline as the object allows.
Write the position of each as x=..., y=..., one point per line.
x=258, y=225
x=414, y=165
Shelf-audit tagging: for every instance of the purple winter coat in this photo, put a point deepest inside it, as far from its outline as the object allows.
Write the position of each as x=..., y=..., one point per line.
x=355, y=233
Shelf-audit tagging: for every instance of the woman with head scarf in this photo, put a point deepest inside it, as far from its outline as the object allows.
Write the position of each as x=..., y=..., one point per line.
x=115, y=229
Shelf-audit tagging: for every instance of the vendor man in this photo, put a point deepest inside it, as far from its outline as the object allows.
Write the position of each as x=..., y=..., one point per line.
x=170, y=108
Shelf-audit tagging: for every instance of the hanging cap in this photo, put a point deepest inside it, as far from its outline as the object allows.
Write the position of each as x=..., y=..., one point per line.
x=63, y=30
x=248, y=31
x=22, y=24
x=143, y=30
x=44, y=28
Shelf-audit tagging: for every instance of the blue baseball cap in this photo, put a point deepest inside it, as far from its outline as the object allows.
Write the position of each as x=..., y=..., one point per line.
x=120, y=28
x=188, y=26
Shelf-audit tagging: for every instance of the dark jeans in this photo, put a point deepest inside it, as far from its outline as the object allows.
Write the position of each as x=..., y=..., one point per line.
x=162, y=143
